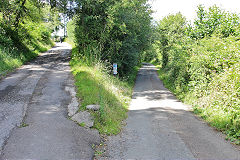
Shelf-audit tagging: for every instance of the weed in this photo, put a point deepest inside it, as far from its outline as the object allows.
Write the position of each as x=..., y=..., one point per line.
x=98, y=153
x=82, y=124
x=23, y=125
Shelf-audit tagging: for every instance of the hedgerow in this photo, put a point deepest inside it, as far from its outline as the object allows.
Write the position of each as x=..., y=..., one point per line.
x=200, y=63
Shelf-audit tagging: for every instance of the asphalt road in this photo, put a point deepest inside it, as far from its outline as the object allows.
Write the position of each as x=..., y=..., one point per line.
x=161, y=127
x=34, y=99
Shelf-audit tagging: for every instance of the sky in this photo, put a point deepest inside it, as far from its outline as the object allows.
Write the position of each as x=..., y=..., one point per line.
x=188, y=7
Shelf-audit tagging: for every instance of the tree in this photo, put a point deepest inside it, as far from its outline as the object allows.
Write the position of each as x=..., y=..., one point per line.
x=171, y=31
x=113, y=31
x=24, y=21
x=214, y=21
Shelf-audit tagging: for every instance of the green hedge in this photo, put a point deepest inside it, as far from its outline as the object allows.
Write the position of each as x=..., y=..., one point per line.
x=203, y=71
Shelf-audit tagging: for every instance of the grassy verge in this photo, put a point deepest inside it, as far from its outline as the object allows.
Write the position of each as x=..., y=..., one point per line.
x=218, y=106
x=96, y=86
x=11, y=58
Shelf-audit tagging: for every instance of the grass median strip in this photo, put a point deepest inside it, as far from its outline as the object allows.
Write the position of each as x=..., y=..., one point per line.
x=96, y=86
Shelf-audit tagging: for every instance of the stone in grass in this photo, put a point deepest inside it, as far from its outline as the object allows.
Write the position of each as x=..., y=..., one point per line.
x=73, y=107
x=93, y=107
x=83, y=118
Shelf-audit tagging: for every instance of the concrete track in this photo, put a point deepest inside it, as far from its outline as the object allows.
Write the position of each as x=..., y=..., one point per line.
x=34, y=99
x=161, y=127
